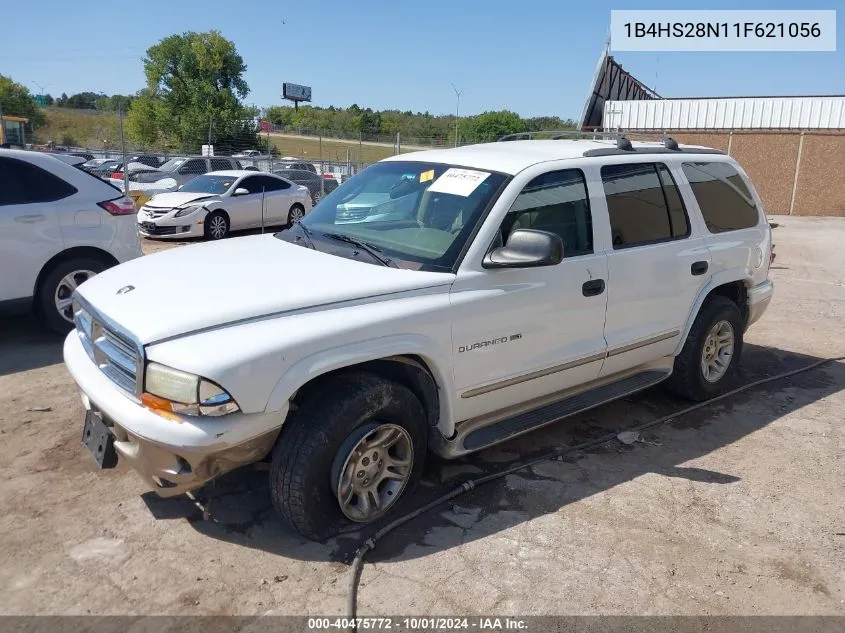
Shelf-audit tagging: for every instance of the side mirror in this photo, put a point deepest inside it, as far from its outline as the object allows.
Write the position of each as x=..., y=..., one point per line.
x=526, y=248
x=240, y=191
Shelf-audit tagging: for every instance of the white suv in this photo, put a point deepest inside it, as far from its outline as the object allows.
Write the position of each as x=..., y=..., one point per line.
x=58, y=226
x=530, y=280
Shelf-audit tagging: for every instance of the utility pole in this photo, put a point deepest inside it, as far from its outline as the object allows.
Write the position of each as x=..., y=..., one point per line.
x=210, y=119
x=458, y=94
x=123, y=150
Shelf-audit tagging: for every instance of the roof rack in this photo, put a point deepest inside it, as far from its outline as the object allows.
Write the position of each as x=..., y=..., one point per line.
x=623, y=144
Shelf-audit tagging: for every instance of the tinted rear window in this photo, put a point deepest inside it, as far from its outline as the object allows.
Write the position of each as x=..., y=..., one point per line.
x=723, y=196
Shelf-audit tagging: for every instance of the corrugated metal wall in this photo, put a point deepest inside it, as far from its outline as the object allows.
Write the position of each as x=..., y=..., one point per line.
x=780, y=113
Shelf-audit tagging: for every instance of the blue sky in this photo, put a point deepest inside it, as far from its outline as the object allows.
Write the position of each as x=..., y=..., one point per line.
x=536, y=57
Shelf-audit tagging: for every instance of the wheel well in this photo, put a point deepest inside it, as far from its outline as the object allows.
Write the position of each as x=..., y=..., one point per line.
x=736, y=292
x=72, y=253
x=221, y=212
x=409, y=371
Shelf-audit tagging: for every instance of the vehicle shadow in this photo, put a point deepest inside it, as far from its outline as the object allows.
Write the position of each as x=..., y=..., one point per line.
x=26, y=344
x=237, y=507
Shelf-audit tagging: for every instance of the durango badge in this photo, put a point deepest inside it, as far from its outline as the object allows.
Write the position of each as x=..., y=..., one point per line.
x=125, y=289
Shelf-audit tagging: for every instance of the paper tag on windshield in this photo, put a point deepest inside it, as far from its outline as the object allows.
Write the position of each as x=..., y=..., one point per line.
x=458, y=182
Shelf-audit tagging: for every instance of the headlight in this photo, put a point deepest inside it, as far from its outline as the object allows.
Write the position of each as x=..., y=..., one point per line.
x=168, y=390
x=188, y=209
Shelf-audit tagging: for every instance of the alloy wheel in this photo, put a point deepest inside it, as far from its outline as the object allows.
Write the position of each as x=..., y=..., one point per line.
x=63, y=297
x=717, y=353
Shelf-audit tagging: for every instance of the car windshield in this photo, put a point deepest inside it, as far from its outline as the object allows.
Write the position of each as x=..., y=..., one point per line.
x=172, y=164
x=208, y=184
x=418, y=214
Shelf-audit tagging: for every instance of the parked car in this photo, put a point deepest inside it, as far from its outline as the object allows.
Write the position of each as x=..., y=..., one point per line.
x=137, y=162
x=213, y=204
x=59, y=226
x=294, y=164
x=317, y=186
x=535, y=280
x=104, y=169
x=94, y=162
x=86, y=156
x=184, y=168
x=249, y=153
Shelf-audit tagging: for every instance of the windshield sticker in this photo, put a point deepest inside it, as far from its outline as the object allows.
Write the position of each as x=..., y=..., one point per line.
x=458, y=182
x=427, y=175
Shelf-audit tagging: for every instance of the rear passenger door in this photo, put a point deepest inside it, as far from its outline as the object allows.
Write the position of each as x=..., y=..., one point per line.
x=656, y=264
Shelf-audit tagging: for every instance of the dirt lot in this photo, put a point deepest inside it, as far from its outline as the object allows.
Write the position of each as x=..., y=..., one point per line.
x=735, y=509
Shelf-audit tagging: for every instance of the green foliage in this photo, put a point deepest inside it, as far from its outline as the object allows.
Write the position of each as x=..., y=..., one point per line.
x=16, y=100
x=351, y=121
x=194, y=81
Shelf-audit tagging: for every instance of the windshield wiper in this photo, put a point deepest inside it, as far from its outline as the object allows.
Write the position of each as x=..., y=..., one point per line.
x=371, y=249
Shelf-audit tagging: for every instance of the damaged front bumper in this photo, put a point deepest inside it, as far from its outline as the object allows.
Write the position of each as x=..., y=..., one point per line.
x=172, y=456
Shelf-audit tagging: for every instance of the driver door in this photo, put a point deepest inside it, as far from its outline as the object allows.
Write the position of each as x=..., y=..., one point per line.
x=245, y=209
x=524, y=333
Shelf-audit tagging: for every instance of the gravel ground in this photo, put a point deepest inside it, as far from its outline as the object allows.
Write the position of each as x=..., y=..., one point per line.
x=737, y=508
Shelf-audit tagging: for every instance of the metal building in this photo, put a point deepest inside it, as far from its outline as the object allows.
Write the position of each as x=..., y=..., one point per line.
x=745, y=113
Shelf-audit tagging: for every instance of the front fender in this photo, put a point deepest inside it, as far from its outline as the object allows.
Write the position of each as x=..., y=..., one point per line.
x=320, y=363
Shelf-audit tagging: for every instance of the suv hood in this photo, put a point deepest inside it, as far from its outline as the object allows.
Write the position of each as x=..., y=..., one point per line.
x=192, y=288
x=176, y=199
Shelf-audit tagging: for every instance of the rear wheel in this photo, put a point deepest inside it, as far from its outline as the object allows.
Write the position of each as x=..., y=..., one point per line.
x=347, y=454
x=708, y=361
x=296, y=213
x=54, y=301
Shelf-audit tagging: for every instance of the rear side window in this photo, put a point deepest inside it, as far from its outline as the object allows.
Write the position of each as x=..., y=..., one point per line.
x=273, y=184
x=723, y=196
x=24, y=183
x=643, y=204
x=220, y=164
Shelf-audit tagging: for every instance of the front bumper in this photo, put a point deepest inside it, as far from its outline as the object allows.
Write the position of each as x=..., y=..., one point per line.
x=759, y=297
x=177, y=230
x=173, y=457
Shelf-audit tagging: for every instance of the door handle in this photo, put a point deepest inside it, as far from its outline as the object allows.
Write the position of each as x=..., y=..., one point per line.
x=593, y=288
x=699, y=268
x=29, y=219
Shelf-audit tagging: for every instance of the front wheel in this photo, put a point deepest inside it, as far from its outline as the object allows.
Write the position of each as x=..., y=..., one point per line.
x=708, y=361
x=216, y=225
x=347, y=454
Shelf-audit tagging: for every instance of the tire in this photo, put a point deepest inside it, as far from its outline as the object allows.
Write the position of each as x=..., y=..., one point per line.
x=216, y=225
x=316, y=197
x=315, y=445
x=296, y=213
x=688, y=379
x=52, y=299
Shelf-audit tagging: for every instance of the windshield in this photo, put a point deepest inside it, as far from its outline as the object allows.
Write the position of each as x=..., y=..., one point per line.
x=172, y=164
x=208, y=184
x=420, y=214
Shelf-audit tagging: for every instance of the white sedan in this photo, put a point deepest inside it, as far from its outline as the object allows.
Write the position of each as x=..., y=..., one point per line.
x=213, y=204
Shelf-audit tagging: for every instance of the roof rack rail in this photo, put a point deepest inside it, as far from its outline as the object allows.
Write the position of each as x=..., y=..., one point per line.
x=668, y=142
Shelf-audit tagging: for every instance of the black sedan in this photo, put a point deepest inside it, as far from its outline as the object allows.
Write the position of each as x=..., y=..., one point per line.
x=311, y=180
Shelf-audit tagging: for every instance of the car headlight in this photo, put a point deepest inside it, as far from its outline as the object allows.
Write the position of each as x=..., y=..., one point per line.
x=188, y=209
x=169, y=391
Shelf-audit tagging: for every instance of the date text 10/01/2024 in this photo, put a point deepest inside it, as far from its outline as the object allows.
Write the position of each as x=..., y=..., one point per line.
x=723, y=29
x=419, y=623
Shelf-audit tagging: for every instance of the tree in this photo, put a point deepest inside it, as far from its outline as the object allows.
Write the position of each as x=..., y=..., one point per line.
x=194, y=81
x=48, y=99
x=489, y=126
x=16, y=100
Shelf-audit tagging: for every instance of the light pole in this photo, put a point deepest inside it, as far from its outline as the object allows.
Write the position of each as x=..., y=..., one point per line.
x=458, y=94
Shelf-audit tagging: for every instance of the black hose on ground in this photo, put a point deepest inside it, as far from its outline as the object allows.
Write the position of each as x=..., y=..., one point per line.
x=370, y=544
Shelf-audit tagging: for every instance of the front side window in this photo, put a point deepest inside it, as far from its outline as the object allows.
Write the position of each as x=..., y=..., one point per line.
x=421, y=215
x=723, y=197
x=643, y=204
x=194, y=166
x=556, y=202
x=24, y=183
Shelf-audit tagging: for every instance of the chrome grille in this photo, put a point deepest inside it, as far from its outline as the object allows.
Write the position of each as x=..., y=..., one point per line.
x=113, y=351
x=156, y=212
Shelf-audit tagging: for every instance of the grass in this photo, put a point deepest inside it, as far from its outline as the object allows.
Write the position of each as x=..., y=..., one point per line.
x=80, y=128
x=332, y=149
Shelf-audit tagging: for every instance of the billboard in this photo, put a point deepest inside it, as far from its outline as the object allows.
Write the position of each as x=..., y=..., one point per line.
x=611, y=82
x=295, y=92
